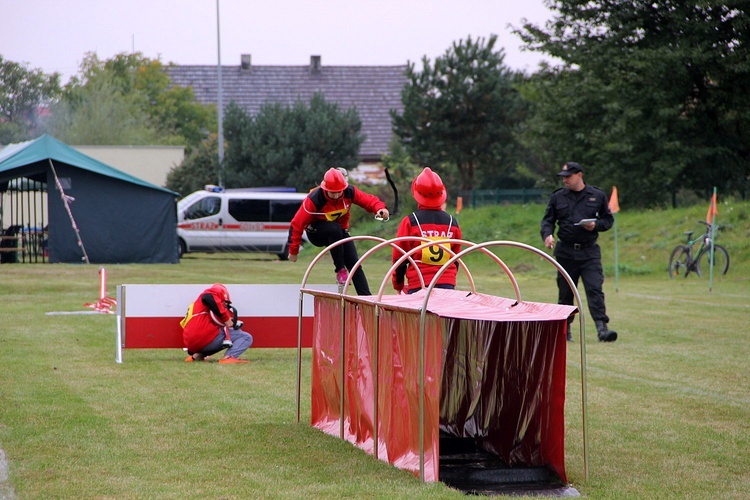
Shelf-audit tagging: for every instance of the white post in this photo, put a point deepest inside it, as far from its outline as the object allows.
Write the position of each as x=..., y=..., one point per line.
x=120, y=319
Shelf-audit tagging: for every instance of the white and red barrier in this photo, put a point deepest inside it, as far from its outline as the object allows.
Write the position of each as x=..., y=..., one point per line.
x=148, y=316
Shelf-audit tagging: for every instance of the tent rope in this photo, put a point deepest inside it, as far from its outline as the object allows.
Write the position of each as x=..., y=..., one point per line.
x=66, y=201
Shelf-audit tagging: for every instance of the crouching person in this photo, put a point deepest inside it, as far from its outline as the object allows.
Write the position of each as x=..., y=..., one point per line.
x=211, y=326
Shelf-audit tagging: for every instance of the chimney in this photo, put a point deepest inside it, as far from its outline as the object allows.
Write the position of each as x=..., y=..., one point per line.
x=314, y=65
x=245, y=61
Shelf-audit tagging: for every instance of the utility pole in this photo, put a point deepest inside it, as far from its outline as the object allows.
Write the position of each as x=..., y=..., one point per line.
x=221, y=100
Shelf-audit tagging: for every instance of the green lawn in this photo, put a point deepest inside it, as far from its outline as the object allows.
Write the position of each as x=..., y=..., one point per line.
x=669, y=402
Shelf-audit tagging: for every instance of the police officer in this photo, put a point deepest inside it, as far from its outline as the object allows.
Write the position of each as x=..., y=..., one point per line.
x=581, y=211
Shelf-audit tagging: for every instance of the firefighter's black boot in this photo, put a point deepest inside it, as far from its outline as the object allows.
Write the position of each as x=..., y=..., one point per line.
x=604, y=333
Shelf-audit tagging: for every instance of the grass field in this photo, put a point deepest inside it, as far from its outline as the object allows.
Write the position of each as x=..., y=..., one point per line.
x=669, y=402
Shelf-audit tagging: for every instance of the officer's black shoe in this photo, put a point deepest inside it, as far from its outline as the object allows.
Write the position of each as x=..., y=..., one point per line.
x=570, y=329
x=604, y=333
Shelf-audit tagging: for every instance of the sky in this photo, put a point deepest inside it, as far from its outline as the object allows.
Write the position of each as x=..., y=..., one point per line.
x=55, y=35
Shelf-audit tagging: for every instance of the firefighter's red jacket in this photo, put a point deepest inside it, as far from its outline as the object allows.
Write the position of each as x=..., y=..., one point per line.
x=319, y=207
x=436, y=225
x=203, y=319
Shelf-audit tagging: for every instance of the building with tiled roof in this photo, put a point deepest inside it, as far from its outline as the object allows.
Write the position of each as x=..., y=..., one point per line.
x=372, y=90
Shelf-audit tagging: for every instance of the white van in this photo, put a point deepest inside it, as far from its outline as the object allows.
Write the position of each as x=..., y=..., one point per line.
x=236, y=220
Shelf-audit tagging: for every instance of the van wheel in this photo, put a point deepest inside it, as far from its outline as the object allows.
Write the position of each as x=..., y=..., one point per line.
x=181, y=248
x=284, y=255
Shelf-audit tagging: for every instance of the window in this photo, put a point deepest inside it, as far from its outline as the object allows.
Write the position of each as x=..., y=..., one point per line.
x=284, y=210
x=250, y=210
x=203, y=208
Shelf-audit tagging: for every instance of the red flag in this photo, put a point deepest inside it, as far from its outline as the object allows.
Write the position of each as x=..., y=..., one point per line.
x=614, y=204
x=712, y=211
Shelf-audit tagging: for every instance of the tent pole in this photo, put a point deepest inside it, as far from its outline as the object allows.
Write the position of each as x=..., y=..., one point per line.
x=70, y=214
x=45, y=217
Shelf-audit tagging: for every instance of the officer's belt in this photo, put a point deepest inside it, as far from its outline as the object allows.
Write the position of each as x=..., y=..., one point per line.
x=578, y=246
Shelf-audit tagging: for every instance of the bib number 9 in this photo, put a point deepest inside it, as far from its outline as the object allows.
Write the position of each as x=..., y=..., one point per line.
x=436, y=255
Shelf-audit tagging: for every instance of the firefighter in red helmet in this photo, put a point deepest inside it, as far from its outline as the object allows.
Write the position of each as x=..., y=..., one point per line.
x=429, y=221
x=324, y=217
x=211, y=325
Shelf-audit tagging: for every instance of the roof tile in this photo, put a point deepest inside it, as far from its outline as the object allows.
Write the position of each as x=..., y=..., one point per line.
x=372, y=90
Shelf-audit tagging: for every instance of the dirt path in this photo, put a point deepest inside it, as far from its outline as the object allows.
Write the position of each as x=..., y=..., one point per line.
x=6, y=491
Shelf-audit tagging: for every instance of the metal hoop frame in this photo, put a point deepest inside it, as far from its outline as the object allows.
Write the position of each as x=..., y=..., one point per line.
x=472, y=247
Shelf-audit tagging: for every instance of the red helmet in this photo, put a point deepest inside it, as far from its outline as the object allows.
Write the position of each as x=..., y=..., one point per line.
x=334, y=180
x=428, y=189
x=220, y=290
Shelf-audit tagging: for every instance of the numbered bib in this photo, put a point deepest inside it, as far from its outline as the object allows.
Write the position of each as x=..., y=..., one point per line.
x=336, y=214
x=436, y=255
x=188, y=316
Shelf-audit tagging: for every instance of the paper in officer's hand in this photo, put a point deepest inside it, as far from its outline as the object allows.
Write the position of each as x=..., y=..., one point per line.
x=584, y=221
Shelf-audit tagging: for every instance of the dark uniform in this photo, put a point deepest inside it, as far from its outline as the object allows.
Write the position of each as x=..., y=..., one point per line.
x=577, y=250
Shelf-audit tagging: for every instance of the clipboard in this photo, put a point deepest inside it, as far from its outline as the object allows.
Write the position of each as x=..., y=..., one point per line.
x=584, y=221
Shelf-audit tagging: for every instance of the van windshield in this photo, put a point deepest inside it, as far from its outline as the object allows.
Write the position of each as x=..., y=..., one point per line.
x=188, y=200
x=205, y=207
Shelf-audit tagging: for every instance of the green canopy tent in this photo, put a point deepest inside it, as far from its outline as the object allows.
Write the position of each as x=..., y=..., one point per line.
x=96, y=213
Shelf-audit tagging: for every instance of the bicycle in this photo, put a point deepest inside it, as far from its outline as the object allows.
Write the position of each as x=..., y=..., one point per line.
x=681, y=260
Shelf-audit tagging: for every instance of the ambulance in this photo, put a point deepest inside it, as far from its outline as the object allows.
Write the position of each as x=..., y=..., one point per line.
x=237, y=220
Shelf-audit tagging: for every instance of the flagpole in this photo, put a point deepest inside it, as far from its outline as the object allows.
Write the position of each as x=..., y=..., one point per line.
x=617, y=266
x=713, y=212
x=614, y=207
x=220, y=98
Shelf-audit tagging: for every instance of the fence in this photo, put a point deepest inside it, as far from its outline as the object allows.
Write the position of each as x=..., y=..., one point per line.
x=23, y=221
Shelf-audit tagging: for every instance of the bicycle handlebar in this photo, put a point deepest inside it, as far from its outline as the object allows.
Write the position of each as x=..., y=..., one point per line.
x=716, y=227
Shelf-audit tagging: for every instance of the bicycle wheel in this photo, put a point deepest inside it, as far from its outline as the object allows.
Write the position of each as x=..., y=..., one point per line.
x=678, y=261
x=721, y=260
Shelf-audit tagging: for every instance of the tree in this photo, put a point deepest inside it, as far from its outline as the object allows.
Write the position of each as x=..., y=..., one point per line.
x=173, y=109
x=199, y=168
x=654, y=94
x=128, y=100
x=24, y=93
x=289, y=146
x=462, y=112
x=98, y=113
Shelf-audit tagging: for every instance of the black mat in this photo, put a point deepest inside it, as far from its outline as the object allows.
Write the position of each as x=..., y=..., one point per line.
x=476, y=472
